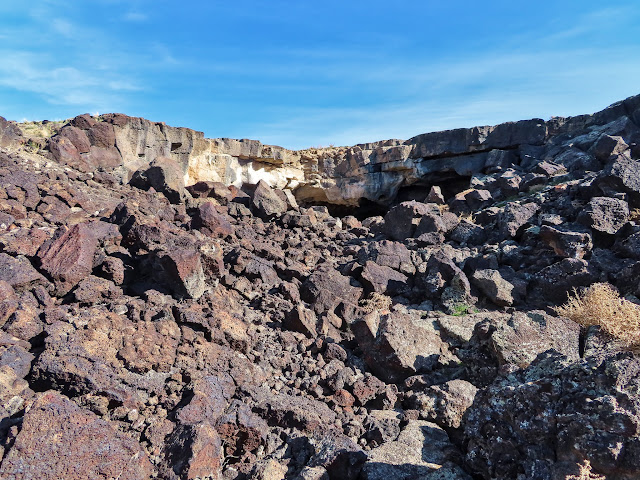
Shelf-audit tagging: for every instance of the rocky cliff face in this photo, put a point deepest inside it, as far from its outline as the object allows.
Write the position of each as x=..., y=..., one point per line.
x=375, y=172
x=178, y=307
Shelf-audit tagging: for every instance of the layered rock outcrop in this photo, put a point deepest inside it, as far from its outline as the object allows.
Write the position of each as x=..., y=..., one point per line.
x=374, y=172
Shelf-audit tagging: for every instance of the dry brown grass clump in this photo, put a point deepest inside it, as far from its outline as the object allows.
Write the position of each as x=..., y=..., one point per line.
x=634, y=215
x=600, y=304
x=586, y=473
x=376, y=302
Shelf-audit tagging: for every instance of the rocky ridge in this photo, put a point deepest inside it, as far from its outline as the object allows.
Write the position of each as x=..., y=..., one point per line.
x=178, y=307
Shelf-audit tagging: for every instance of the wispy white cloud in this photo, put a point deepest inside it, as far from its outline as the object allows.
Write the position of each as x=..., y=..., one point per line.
x=65, y=85
x=83, y=72
x=590, y=22
x=136, y=17
x=63, y=27
x=479, y=91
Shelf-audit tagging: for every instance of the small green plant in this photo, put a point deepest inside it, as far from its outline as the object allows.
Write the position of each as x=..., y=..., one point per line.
x=463, y=309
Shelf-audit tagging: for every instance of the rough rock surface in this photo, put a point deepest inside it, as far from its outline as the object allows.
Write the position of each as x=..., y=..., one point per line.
x=60, y=440
x=183, y=308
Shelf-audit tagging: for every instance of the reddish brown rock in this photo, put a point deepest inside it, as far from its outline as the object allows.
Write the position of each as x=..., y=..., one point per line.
x=103, y=157
x=326, y=289
x=343, y=398
x=109, y=354
x=68, y=257
x=241, y=430
x=64, y=151
x=102, y=135
x=301, y=319
x=212, y=222
x=24, y=241
x=78, y=137
x=208, y=400
x=216, y=190
x=95, y=290
x=269, y=202
x=113, y=269
x=182, y=271
x=382, y=279
x=8, y=301
x=25, y=322
x=19, y=273
x=83, y=122
x=60, y=440
x=194, y=452
x=10, y=134
x=289, y=411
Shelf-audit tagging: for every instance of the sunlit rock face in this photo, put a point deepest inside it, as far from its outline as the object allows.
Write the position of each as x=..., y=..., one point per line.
x=373, y=172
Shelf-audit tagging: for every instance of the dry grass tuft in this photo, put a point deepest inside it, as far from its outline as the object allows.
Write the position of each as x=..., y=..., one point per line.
x=600, y=304
x=376, y=302
x=586, y=473
x=634, y=215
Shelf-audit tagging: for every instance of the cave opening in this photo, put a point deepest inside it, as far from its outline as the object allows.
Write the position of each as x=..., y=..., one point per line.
x=450, y=184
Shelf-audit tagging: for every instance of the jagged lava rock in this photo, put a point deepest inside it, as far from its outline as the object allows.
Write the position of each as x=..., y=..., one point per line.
x=68, y=257
x=60, y=440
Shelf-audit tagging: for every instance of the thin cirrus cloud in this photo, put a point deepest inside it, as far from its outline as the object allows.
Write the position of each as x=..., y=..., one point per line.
x=135, y=17
x=62, y=85
x=522, y=90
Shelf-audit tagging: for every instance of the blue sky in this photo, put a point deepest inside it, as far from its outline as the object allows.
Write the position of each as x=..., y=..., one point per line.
x=309, y=73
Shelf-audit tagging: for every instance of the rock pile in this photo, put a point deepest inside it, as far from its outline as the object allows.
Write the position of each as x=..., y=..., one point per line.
x=158, y=324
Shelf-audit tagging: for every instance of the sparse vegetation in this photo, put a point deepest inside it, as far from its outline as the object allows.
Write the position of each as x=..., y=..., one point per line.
x=40, y=129
x=600, y=304
x=463, y=309
x=586, y=473
x=376, y=301
x=634, y=215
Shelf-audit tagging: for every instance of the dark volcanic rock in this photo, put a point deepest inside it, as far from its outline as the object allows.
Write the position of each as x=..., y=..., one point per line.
x=494, y=286
x=605, y=214
x=293, y=412
x=444, y=404
x=422, y=450
x=326, y=289
x=267, y=201
x=60, y=440
x=622, y=174
x=77, y=137
x=212, y=222
x=566, y=243
x=541, y=421
x=68, y=257
x=10, y=134
x=101, y=134
x=382, y=279
x=340, y=457
x=395, y=347
x=402, y=220
x=193, y=452
x=164, y=175
x=523, y=336
x=514, y=217
x=19, y=273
